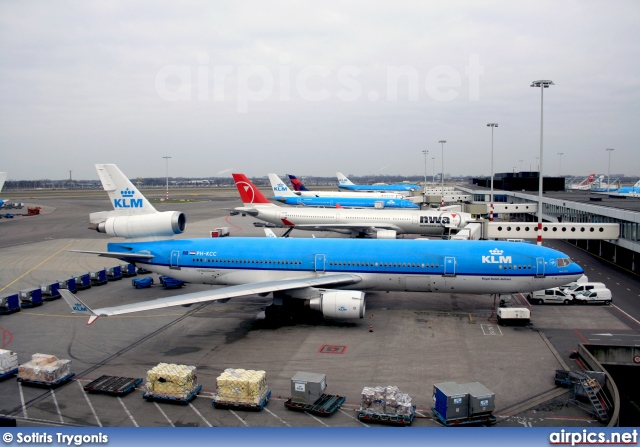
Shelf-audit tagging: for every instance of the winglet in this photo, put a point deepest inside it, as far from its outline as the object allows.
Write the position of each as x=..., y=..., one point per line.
x=77, y=306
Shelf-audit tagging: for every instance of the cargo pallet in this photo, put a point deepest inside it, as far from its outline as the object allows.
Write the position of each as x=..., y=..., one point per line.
x=481, y=419
x=53, y=384
x=172, y=400
x=112, y=385
x=8, y=374
x=387, y=419
x=232, y=405
x=325, y=405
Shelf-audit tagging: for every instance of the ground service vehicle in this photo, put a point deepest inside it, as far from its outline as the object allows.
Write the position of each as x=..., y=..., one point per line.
x=585, y=286
x=554, y=295
x=594, y=296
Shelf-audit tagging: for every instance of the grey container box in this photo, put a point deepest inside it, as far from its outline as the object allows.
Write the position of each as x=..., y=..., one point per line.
x=451, y=400
x=481, y=398
x=307, y=387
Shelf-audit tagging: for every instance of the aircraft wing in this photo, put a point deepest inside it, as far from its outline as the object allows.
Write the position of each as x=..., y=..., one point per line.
x=114, y=254
x=225, y=293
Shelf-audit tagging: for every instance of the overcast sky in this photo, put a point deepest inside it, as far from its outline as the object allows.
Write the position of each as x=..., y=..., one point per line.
x=311, y=88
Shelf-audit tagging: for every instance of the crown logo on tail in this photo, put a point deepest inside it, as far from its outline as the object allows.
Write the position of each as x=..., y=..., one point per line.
x=496, y=252
x=127, y=193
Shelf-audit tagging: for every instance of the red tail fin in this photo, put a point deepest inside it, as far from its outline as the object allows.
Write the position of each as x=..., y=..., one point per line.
x=248, y=191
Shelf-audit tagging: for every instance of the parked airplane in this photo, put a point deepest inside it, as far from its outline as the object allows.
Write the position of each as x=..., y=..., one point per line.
x=327, y=275
x=285, y=195
x=380, y=224
x=630, y=190
x=584, y=185
x=302, y=190
x=599, y=185
x=345, y=183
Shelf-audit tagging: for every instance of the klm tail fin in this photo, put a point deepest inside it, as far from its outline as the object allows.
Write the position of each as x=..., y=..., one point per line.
x=343, y=180
x=269, y=233
x=77, y=306
x=125, y=198
x=297, y=184
x=279, y=187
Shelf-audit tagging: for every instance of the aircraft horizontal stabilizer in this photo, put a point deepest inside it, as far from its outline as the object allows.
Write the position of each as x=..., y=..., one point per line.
x=113, y=254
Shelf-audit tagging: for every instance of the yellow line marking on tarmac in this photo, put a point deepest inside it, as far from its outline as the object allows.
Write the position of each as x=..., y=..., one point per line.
x=31, y=270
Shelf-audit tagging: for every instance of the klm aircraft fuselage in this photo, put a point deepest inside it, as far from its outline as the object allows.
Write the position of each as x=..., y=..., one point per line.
x=386, y=265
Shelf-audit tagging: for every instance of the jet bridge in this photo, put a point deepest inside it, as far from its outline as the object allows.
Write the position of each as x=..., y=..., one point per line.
x=484, y=229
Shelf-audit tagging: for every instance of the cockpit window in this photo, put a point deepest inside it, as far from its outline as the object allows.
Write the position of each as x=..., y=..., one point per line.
x=563, y=262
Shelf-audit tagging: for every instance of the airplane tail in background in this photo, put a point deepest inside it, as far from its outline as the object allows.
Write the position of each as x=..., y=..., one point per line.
x=125, y=198
x=588, y=180
x=279, y=187
x=3, y=177
x=249, y=193
x=343, y=180
x=297, y=184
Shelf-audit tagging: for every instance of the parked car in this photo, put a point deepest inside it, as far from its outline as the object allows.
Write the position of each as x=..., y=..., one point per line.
x=585, y=286
x=554, y=295
x=594, y=296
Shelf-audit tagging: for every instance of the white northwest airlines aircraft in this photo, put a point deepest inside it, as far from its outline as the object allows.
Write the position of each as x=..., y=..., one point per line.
x=585, y=185
x=379, y=224
x=328, y=275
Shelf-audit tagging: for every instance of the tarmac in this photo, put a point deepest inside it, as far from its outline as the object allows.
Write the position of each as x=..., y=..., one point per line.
x=410, y=340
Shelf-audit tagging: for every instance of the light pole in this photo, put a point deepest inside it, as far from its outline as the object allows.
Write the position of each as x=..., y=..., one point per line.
x=609, y=170
x=433, y=177
x=442, y=175
x=560, y=164
x=167, y=160
x=542, y=84
x=492, y=125
x=425, y=170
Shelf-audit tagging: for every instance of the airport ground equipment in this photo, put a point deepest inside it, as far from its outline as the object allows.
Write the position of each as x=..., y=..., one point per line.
x=50, y=291
x=587, y=391
x=220, y=232
x=114, y=273
x=33, y=211
x=112, y=385
x=45, y=370
x=515, y=316
x=10, y=304
x=69, y=284
x=307, y=394
x=456, y=405
x=241, y=389
x=142, y=283
x=171, y=283
x=142, y=271
x=99, y=277
x=386, y=405
x=171, y=383
x=128, y=270
x=8, y=364
x=31, y=298
x=83, y=281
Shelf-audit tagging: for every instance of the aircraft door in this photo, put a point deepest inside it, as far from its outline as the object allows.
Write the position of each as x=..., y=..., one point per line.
x=320, y=262
x=174, y=261
x=449, y=266
x=539, y=267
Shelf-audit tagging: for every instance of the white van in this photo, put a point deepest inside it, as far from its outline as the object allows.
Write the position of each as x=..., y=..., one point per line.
x=594, y=296
x=580, y=280
x=585, y=286
x=554, y=295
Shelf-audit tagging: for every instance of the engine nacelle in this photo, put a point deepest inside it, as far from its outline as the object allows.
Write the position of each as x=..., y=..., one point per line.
x=166, y=223
x=339, y=303
x=384, y=234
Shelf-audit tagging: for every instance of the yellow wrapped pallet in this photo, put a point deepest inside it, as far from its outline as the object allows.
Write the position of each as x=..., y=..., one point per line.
x=240, y=385
x=171, y=380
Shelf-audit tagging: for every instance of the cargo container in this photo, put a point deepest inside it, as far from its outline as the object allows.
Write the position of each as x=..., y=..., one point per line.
x=30, y=298
x=451, y=401
x=8, y=364
x=128, y=270
x=142, y=283
x=386, y=406
x=171, y=283
x=98, y=277
x=69, y=284
x=241, y=389
x=513, y=316
x=171, y=383
x=220, y=232
x=114, y=273
x=307, y=387
x=50, y=291
x=481, y=398
x=10, y=304
x=83, y=281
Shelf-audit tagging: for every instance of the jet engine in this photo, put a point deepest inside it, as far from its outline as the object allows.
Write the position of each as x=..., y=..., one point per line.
x=384, y=234
x=339, y=303
x=166, y=223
